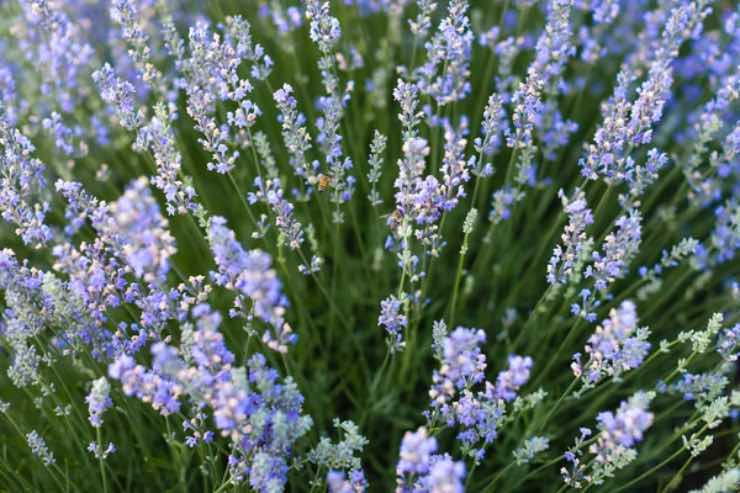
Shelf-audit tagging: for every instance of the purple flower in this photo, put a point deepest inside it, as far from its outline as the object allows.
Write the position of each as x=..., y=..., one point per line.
x=727, y=343
x=98, y=400
x=494, y=120
x=616, y=346
x=120, y=94
x=325, y=29
x=393, y=321
x=59, y=57
x=423, y=22
x=338, y=482
x=206, y=345
x=623, y=429
x=211, y=74
x=285, y=20
x=454, y=400
x=628, y=124
x=702, y=387
x=449, y=53
x=543, y=75
x=295, y=136
x=126, y=14
x=22, y=183
x=509, y=381
x=612, y=450
x=575, y=242
x=407, y=96
x=725, y=237
x=140, y=233
x=463, y=364
x=417, y=449
x=325, y=32
x=502, y=201
x=39, y=448
x=445, y=476
x=620, y=247
x=604, y=11
x=271, y=193
x=420, y=470
x=455, y=169
x=158, y=390
x=250, y=274
x=101, y=452
x=159, y=138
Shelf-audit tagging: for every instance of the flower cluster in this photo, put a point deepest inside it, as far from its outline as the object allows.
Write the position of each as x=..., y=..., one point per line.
x=325, y=32
x=119, y=93
x=260, y=415
x=98, y=401
x=250, y=275
x=340, y=459
x=420, y=469
x=213, y=220
x=140, y=233
x=454, y=401
x=614, y=445
x=627, y=124
x=158, y=137
x=567, y=258
x=295, y=136
x=271, y=193
x=449, y=53
x=22, y=184
x=211, y=77
x=393, y=321
x=39, y=448
x=616, y=346
x=620, y=247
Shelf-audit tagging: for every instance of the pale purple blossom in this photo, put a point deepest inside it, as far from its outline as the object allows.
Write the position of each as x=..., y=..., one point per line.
x=22, y=186
x=567, y=256
x=140, y=233
x=509, y=381
x=445, y=74
x=295, y=136
x=250, y=274
x=120, y=94
x=39, y=448
x=618, y=345
x=271, y=193
x=393, y=321
x=98, y=401
x=624, y=429
x=619, y=248
x=419, y=469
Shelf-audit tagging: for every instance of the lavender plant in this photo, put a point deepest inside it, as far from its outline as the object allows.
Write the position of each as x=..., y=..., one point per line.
x=426, y=246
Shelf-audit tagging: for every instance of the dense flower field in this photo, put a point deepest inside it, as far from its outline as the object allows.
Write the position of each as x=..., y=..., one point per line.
x=422, y=246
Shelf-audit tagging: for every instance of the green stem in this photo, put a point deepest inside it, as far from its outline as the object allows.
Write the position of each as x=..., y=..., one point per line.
x=458, y=277
x=100, y=460
x=650, y=471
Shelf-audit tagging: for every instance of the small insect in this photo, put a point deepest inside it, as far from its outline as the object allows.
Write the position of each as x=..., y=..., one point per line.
x=395, y=218
x=324, y=182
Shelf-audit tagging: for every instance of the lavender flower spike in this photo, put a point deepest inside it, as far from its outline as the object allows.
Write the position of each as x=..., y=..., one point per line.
x=22, y=184
x=98, y=400
x=617, y=345
x=394, y=321
x=120, y=94
x=614, y=446
x=419, y=469
x=445, y=74
x=249, y=273
x=140, y=232
x=576, y=244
